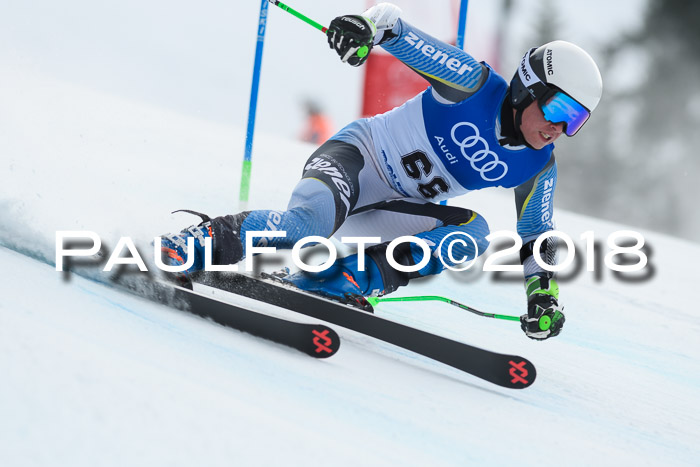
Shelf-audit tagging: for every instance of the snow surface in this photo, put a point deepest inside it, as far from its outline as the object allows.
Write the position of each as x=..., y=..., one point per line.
x=91, y=376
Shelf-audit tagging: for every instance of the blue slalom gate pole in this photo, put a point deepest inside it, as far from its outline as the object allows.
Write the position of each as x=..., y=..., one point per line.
x=461, y=27
x=247, y=158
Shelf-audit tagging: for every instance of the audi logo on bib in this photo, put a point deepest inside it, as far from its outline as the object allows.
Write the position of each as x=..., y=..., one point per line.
x=466, y=135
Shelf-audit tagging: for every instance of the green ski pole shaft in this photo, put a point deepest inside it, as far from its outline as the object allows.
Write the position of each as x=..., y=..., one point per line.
x=424, y=298
x=306, y=19
x=364, y=50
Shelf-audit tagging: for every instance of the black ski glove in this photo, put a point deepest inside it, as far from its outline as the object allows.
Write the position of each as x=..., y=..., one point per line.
x=544, y=318
x=351, y=36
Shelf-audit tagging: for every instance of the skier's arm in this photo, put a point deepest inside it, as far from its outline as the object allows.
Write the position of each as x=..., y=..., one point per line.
x=534, y=202
x=453, y=73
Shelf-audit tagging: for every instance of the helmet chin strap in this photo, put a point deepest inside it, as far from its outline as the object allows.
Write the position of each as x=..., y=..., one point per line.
x=518, y=123
x=510, y=125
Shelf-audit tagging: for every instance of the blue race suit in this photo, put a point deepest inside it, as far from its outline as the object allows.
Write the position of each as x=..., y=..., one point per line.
x=382, y=175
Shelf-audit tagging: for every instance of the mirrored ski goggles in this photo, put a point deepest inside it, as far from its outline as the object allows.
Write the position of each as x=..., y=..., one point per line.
x=562, y=108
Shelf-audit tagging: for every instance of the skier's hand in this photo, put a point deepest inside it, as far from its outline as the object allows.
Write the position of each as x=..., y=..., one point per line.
x=544, y=318
x=352, y=37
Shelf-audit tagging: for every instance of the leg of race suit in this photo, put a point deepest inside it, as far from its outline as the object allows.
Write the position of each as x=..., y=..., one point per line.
x=464, y=233
x=320, y=203
x=379, y=277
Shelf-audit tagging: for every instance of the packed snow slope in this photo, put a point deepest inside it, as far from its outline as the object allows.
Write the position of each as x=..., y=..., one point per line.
x=92, y=376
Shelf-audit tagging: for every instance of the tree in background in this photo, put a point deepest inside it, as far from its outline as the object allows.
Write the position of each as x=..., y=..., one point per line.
x=635, y=161
x=665, y=126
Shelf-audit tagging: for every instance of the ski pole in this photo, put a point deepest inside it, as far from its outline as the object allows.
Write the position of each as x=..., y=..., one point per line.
x=306, y=19
x=364, y=50
x=424, y=298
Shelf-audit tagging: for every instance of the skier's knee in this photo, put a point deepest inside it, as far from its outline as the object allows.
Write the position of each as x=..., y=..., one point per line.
x=460, y=240
x=314, y=203
x=478, y=229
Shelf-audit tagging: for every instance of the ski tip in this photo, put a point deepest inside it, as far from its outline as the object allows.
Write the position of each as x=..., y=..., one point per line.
x=324, y=342
x=521, y=373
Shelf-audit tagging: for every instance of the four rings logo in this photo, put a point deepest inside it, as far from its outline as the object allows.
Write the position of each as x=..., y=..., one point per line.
x=484, y=161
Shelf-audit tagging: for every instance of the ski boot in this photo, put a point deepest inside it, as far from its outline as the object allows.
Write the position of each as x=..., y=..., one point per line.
x=342, y=282
x=226, y=245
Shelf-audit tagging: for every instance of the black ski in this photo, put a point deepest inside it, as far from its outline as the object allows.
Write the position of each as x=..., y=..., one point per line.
x=509, y=371
x=316, y=340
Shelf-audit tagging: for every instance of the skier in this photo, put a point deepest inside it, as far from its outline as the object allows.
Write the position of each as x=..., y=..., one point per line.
x=383, y=176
